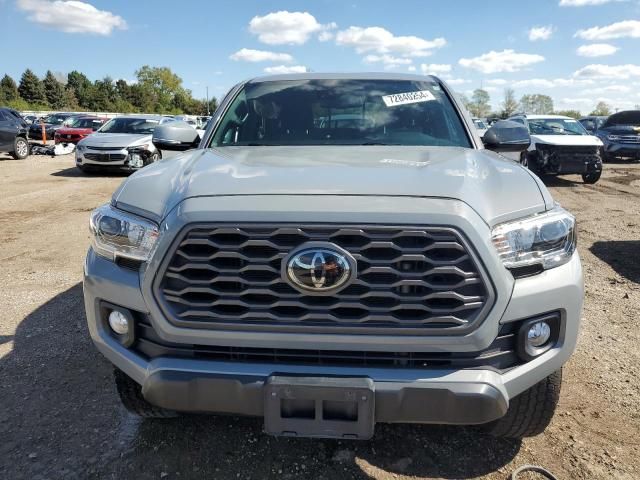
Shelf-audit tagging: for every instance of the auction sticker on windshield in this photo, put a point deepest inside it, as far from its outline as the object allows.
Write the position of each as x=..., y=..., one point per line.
x=407, y=98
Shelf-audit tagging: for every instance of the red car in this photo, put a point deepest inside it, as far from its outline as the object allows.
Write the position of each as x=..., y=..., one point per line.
x=80, y=128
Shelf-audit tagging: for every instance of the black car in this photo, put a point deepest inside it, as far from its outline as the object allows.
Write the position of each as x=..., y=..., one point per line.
x=620, y=135
x=13, y=134
x=51, y=123
x=593, y=122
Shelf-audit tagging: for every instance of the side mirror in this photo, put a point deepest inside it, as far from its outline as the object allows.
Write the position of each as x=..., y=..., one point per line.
x=507, y=136
x=177, y=136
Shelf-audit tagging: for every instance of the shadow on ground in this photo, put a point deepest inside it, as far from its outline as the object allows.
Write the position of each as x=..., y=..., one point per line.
x=60, y=418
x=621, y=255
x=74, y=172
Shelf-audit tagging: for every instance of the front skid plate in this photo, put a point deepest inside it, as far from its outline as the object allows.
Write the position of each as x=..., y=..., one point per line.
x=321, y=407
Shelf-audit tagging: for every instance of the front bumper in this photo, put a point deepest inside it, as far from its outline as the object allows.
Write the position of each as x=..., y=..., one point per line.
x=628, y=150
x=107, y=159
x=439, y=396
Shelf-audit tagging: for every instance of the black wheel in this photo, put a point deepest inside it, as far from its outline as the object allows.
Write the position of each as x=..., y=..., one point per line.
x=131, y=397
x=20, y=148
x=530, y=412
x=592, y=177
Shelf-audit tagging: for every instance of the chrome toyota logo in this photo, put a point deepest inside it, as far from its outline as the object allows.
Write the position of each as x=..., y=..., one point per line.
x=319, y=269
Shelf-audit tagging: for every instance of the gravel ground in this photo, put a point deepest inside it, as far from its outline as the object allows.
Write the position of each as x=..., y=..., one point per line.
x=60, y=417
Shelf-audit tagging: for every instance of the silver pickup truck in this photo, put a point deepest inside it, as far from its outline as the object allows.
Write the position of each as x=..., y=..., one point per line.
x=336, y=251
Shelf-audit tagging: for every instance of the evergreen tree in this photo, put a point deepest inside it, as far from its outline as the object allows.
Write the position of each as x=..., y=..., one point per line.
x=82, y=88
x=54, y=90
x=8, y=89
x=31, y=88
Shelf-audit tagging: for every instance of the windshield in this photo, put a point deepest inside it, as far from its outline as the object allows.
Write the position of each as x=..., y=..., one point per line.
x=556, y=126
x=341, y=112
x=85, y=122
x=480, y=124
x=129, y=125
x=55, y=119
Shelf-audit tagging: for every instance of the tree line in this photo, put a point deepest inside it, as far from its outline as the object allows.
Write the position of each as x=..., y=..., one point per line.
x=536, y=103
x=156, y=90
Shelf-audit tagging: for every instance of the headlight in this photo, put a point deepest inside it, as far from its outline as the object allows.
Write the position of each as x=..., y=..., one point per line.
x=138, y=148
x=120, y=234
x=80, y=148
x=548, y=240
x=613, y=138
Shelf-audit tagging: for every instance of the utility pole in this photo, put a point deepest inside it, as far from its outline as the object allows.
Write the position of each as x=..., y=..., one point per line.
x=208, y=112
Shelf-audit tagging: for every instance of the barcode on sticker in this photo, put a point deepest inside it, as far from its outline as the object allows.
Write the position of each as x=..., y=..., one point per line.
x=407, y=98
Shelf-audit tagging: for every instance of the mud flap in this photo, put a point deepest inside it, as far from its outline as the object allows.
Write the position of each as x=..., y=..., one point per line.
x=321, y=407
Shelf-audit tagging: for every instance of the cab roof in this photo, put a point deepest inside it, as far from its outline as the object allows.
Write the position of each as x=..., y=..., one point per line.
x=343, y=76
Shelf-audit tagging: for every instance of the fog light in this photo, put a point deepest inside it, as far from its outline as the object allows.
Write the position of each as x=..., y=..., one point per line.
x=118, y=322
x=538, y=334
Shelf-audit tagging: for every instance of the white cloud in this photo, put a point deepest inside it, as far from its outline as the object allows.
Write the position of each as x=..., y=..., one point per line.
x=282, y=69
x=596, y=50
x=293, y=28
x=607, y=89
x=435, y=68
x=249, y=55
x=387, y=60
x=504, y=61
x=624, y=29
x=457, y=81
x=582, y=3
x=497, y=81
x=541, y=33
x=615, y=72
x=72, y=16
x=534, y=83
x=381, y=41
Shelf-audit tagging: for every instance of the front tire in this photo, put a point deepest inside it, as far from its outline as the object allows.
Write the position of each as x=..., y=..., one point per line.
x=591, y=178
x=530, y=412
x=20, y=148
x=131, y=397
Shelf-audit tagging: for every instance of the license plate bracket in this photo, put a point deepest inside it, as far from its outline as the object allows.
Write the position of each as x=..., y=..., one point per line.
x=320, y=407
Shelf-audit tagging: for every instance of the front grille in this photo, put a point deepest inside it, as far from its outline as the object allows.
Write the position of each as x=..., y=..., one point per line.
x=105, y=157
x=91, y=147
x=409, y=279
x=629, y=139
x=501, y=354
x=568, y=151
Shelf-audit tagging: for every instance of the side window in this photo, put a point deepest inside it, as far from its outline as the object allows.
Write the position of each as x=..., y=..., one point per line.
x=2, y=117
x=519, y=120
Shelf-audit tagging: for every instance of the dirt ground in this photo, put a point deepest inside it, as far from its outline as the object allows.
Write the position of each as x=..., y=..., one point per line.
x=60, y=417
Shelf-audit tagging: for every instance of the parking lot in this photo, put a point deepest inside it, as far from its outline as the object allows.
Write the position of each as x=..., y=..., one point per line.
x=61, y=418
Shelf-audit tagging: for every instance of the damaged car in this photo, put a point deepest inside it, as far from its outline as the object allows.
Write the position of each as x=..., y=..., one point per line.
x=561, y=146
x=123, y=143
x=620, y=136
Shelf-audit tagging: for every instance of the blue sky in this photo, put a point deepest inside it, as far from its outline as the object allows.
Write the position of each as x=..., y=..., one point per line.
x=577, y=51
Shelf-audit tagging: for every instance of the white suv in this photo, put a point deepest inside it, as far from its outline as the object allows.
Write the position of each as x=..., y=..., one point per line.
x=561, y=145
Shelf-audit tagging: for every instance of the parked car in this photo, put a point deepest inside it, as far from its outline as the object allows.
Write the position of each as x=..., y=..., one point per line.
x=480, y=125
x=122, y=143
x=79, y=128
x=13, y=134
x=593, y=122
x=561, y=145
x=620, y=136
x=330, y=278
x=52, y=123
x=29, y=119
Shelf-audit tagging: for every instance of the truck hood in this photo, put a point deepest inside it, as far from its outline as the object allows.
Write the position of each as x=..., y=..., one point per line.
x=497, y=188
x=115, y=139
x=572, y=140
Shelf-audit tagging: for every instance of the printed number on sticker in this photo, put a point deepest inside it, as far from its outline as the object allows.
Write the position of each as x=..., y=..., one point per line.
x=407, y=97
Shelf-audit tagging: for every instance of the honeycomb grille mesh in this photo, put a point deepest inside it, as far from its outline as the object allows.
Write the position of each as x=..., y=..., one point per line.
x=408, y=278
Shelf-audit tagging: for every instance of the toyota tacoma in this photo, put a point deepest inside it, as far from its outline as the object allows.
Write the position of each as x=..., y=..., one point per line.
x=328, y=276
